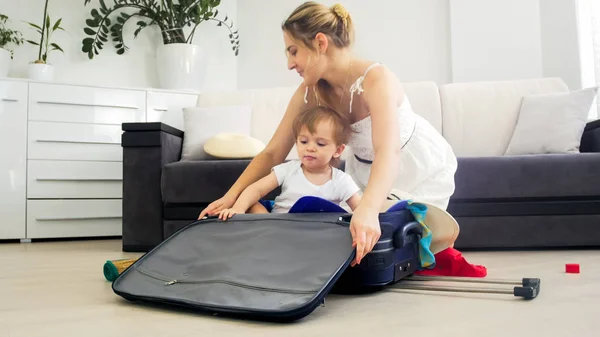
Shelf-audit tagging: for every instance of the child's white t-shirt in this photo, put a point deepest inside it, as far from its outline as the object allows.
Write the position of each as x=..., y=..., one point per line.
x=295, y=185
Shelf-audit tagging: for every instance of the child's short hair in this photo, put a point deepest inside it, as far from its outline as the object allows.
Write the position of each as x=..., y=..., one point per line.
x=312, y=116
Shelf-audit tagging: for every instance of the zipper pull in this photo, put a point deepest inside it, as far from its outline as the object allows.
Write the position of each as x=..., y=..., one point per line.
x=170, y=283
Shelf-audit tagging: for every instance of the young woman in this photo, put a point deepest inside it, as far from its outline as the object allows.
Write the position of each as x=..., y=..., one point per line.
x=392, y=147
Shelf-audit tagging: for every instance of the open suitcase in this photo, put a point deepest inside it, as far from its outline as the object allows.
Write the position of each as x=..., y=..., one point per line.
x=275, y=267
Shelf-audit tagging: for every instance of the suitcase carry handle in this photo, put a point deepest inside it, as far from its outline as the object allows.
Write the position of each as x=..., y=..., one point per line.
x=405, y=234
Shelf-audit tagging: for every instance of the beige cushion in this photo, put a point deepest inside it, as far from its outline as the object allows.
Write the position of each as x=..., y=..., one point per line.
x=480, y=117
x=233, y=146
x=552, y=123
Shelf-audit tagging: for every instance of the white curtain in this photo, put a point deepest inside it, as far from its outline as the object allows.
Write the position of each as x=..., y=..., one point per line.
x=596, y=39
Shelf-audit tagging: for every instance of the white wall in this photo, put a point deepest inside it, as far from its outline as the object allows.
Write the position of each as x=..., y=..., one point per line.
x=136, y=68
x=411, y=37
x=495, y=40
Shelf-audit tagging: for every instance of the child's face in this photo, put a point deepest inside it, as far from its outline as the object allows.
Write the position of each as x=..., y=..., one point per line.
x=317, y=149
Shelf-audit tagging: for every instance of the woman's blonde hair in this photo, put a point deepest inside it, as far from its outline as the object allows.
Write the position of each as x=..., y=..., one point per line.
x=311, y=18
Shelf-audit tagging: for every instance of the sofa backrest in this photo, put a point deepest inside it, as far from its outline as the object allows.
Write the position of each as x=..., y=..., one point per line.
x=424, y=98
x=268, y=105
x=479, y=117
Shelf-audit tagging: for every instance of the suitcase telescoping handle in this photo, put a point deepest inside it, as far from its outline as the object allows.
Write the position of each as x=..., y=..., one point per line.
x=527, y=288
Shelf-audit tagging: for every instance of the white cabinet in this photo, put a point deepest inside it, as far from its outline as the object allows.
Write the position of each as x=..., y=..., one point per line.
x=61, y=157
x=74, y=141
x=13, y=142
x=48, y=179
x=73, y=218
x=75, y=104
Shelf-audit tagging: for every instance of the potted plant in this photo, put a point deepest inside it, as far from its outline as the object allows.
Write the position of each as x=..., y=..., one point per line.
x=7, y=37
x=40, y=69
x=180, y=63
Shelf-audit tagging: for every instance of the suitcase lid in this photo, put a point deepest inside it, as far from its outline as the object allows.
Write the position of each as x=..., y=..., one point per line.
x=277, y=267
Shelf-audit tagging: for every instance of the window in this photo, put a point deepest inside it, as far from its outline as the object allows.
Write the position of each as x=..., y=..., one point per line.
x=596, y=47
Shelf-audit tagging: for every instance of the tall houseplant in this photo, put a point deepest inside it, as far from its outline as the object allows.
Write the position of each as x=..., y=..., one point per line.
x=7, y=36
x=180, y=63
x=40, y=69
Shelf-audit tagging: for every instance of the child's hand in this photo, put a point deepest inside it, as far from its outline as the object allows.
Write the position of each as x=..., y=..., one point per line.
x=228, y=213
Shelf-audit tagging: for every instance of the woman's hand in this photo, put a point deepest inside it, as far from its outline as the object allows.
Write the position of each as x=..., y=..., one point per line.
x=365, y=230
x=217, y=206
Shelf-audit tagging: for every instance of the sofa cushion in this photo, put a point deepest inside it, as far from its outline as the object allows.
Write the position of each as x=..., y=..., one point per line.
x=203, y=123
x=199, y=181
x=203, y=181
x=528, y=176
x=552, y=123
x=479, y=117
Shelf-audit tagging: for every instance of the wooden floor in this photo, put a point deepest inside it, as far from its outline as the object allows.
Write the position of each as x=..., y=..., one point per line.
x=58, y=289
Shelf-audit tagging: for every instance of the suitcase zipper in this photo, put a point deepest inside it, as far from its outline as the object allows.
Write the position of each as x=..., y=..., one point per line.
x=169, y=282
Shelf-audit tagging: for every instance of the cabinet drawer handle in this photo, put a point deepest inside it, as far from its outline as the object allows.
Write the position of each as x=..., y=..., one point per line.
x=91, y=105
x=75, y=142
x=79, y=218
x=161, y=109
x=9, y=100
x=79, y=179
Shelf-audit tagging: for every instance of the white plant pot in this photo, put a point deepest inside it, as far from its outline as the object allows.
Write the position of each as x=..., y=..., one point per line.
x=181, y=66
x=41, y=72
x=4, y=62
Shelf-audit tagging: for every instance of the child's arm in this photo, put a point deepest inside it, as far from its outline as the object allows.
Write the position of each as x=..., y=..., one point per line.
x=251, y=195
x=349, y=187
x=354, y=201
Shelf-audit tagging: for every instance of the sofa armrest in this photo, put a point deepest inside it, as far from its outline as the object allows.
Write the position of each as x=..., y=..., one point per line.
x=147, y=148
x=590, y=140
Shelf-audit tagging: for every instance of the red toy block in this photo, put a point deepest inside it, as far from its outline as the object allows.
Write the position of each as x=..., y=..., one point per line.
x=572, y=268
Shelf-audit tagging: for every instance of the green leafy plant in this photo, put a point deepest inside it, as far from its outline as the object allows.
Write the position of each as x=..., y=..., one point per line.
x=45, y=31
x=8, y=36
x=171, y=16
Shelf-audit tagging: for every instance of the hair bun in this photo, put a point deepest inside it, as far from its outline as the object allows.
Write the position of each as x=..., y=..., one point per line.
x=341, y=12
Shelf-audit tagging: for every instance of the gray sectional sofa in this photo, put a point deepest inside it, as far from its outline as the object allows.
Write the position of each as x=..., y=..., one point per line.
x=527, y=201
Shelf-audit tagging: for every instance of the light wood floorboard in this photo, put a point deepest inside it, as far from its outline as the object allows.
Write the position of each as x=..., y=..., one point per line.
x=58, y=289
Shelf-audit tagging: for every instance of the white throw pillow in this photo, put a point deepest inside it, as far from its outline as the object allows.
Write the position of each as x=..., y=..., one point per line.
x=233, y=146
x=551, y=123
x=200, y=124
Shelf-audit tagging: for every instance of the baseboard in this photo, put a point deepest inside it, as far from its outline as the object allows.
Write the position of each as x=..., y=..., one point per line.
x=523, y=207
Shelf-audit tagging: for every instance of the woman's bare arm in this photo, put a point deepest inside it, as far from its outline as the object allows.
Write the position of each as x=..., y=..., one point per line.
x=383, y=93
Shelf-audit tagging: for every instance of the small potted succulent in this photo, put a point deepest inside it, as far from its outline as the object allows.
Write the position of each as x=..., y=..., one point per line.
x=7, y=37
x=40, y=69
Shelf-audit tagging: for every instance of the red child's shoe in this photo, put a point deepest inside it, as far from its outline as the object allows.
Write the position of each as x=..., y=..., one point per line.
x=450, y=262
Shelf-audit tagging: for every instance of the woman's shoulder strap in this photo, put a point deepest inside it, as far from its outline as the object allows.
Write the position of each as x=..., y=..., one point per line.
x=358, y=85
x=373, y=65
